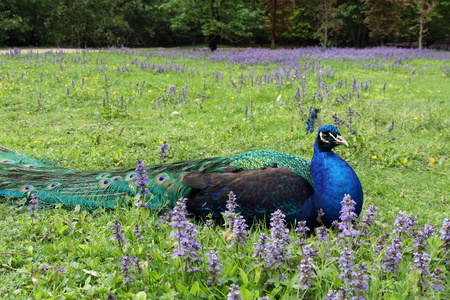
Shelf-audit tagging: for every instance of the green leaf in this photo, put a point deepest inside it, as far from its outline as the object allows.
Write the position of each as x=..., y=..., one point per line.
x=182, y=289
x=85, y=248
x=258, y=274
x=246, y=294
x=195, y=289
x=244, y=277
x=140, y=296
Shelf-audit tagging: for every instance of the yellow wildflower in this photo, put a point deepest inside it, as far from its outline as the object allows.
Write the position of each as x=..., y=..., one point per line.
x=374, y=157
x=432, y=160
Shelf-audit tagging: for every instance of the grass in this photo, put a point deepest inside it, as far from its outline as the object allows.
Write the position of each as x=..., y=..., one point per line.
x=47, y=116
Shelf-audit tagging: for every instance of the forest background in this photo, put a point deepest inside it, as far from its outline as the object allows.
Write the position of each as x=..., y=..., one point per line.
x=169, y=23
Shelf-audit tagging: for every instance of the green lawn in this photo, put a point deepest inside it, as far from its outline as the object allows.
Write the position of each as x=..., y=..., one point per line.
x=100, y=110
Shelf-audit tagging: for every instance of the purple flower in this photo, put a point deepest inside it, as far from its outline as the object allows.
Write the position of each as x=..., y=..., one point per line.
x=306, y=272
x=137, y=265
x=322, y=235
x=118, y=232
x=380, y=243
x=230, y=212
x=261, y=247
x=172, y=90
x=332, y=295
x=406, y=224
x=309, y=251
x=346, y=264
x=391, y=127
x=337, y=121
x=367, y=219
x=276, y=254
x=214, y=268
x=141, y=178
x=235, y=293
x=392, y=256
x=240, y=234
x=426, y=232
x=301, y=231
x=45, y=268
x=445, y=234
x=422, y=261
x=137, y=232
x=186, y=234
x=359, y=283
x=163, y=152
x=34, y=205
x=125, y=269
x=437, y=277
x=347, y=215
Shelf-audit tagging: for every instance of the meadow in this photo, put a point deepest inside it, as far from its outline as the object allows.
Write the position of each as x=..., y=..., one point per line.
x=105, y=109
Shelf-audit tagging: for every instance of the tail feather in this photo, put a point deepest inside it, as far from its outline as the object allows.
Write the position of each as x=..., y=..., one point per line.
x=263, y=181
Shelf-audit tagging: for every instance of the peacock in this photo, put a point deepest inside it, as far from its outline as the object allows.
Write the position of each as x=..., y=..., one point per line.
x=262, y=181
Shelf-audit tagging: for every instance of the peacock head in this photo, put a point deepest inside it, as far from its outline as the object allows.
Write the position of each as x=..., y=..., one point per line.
x=329, y=137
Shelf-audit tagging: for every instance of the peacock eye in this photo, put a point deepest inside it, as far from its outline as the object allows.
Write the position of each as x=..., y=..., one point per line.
x=162, y=178
x=54, y=185
x=106, y=181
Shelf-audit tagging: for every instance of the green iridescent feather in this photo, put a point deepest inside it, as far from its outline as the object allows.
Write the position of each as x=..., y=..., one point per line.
x=20, y=175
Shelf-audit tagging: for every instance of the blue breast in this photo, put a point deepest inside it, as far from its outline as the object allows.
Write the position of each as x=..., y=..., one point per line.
x=333, y=178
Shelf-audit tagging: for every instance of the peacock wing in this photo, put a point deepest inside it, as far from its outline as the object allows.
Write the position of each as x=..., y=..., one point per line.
x=258, y=192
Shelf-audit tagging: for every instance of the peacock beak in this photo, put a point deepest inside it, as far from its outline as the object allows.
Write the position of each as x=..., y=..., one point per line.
x=339, y=140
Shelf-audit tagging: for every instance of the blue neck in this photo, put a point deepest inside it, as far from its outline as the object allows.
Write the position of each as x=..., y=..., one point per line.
x=333, y=178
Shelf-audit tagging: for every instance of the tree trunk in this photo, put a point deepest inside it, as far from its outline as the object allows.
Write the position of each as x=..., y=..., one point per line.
x=420, y=34
x=213, y=42
x=272, y=43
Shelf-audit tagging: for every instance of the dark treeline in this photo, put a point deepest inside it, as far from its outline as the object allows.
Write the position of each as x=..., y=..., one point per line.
x=152, y=23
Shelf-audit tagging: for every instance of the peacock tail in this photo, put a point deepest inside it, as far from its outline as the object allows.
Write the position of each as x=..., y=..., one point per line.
x=21, y=175
x=263, y=181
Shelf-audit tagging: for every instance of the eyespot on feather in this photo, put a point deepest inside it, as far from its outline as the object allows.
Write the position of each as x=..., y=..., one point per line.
x=6, y=161
x=182, y=176
x=187, y=167
x=31, y=166
x=103, y=175
x=53, y=185
x=116, y=178
x=130, y=176
x=163, y=179
x=26, y=188
x=204, y=166
x=104, y=183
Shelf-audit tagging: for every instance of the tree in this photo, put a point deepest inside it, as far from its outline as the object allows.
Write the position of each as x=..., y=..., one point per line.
x=217, y=19
x=303, y=22
x=328, y=18
x=383, y=18
x=276, y=17
x=424, y=10
x=354, y=31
